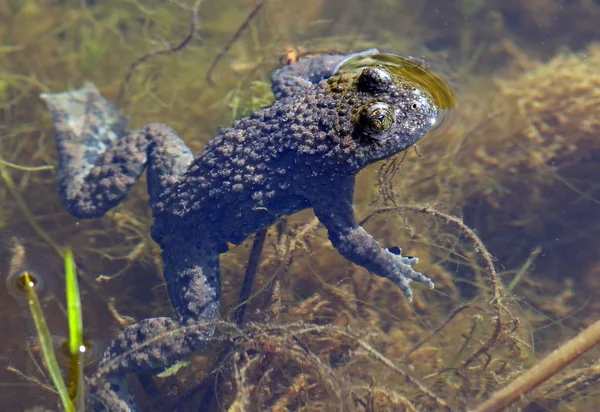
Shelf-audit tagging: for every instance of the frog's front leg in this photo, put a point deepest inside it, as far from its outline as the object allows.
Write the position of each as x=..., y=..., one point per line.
x=336, y=213
x=152, y=345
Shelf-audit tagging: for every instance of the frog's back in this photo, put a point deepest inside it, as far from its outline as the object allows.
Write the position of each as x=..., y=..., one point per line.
x=257, y=170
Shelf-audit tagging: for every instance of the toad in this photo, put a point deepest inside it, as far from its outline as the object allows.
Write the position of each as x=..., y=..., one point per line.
x=333, y=116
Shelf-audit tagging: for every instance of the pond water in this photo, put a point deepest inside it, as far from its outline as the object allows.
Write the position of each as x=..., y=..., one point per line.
x=516, y=162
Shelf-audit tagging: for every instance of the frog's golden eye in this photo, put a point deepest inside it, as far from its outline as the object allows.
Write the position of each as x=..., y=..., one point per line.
x=380, y=117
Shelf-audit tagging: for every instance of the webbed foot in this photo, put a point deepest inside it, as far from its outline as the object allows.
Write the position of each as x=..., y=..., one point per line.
x=85, y=118
x=403, y=273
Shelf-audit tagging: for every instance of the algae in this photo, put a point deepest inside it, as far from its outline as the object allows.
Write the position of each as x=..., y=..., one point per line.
x=517, y=163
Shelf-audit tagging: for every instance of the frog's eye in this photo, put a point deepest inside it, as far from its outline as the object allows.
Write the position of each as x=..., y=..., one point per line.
x=380, y=117
x=374, y=78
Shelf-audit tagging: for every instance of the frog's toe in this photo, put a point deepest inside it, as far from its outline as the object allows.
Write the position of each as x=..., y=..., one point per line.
x=403, y=283
x=419, y=277
x=404, y=274
x=409, y=260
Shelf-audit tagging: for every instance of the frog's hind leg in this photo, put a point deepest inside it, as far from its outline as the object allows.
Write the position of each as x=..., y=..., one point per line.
x=293, y=78
x=152, y=345
x=99, y=161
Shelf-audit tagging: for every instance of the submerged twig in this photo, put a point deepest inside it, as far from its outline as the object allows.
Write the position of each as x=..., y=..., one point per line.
x=167, y=50
x=544, y=370
x=304, y=329
x=240, y=311
x=251, y=269
x=481, y=250
x=437, y=330
x=16, y=193
x=386, y=176
x=233, y=39
x=26, y=168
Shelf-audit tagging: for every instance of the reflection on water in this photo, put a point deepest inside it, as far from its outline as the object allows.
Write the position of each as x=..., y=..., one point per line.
x=518, y=163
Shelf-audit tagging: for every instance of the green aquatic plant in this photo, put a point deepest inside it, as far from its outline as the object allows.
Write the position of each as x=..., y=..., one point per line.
x=77, y=346
x=71, y=394
x=506, y=174
x=27, y=282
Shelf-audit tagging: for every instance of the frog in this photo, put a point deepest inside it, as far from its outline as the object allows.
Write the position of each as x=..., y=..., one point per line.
x=329, y=120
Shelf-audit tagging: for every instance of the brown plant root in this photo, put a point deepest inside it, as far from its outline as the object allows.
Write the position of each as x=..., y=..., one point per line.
x=262, y=351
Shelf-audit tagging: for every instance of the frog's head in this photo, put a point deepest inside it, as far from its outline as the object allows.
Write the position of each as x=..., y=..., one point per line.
x=384, y=108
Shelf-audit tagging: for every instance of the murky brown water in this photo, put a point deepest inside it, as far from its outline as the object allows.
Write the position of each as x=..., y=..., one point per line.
x=518, y=162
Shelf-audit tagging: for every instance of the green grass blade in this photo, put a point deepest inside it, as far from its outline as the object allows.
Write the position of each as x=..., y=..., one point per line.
x=28, y=283
x=76, y=344
x=73, y=306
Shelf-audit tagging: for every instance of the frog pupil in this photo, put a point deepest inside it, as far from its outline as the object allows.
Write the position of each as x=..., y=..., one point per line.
x=380, y=120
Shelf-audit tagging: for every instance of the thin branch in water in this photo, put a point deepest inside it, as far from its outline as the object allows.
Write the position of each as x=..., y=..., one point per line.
x=251, y=269
x=166, y=50
x=544, y=370
x=233, y=39
x=26, y=168
x=240, y=311
x=311, y=328
x=481, y=250
x=437, y=330
x=385, y=178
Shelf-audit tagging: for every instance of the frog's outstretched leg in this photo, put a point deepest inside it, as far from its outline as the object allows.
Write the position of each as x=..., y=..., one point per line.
x=292, y=78
x=154, y=344
x=99, y=161
x=358, y=246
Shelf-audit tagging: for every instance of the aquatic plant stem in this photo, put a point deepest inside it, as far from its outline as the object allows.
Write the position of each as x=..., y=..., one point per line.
x=240, y=311
x=26, y=168
x=76, y=344
x=45, y=339
x=481, y=250
x=544, y=370
x=168, y=50
x=232, y=40
x=15, y=192
x=435, y=331
x=251, y=269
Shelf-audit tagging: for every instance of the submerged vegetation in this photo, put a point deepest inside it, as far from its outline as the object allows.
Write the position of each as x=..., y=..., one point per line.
x=517, y=163
x=25, y=286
